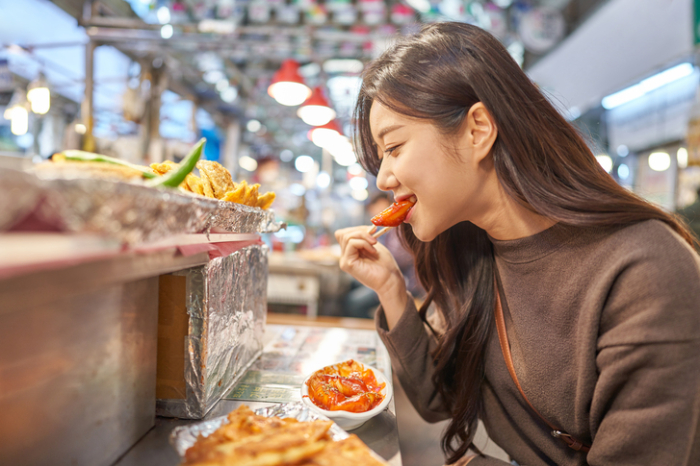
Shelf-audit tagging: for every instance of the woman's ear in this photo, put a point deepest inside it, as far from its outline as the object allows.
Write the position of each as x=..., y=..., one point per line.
x=481, y=131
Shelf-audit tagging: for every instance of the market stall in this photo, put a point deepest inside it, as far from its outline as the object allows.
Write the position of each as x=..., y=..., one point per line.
x=152, y=308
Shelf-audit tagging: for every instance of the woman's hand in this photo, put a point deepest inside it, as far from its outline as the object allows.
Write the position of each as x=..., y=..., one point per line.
x=363, y=257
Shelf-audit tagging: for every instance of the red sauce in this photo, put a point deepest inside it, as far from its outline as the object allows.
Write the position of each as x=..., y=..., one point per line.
x=346, y=386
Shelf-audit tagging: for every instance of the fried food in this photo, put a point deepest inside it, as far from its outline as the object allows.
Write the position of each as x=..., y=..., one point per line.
x=252, y=440
x=216, y=182
x=192, y=182
x=394, y=215
x=347, y=386
x=238, y=194
x=251, y=195
x=265, y=200
x=347, y=452
x=62, y=167
x=219, y=178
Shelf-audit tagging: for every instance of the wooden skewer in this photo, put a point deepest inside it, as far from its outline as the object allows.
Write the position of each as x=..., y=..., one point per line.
x=381, y=232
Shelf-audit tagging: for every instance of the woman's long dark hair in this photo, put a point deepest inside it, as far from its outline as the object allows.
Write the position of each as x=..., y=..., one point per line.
x=540, y=159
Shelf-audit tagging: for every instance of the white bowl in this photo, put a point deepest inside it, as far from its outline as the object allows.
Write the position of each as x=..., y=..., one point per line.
x=346, y=419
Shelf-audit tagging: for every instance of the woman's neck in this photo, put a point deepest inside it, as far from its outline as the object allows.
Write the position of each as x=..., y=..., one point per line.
x=507, y=219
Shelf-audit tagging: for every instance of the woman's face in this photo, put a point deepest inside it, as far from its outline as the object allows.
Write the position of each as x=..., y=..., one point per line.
x=448, y=177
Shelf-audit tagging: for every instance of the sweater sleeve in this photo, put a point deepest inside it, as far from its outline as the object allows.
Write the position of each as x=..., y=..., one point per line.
x=410, y=347
x=646, y=403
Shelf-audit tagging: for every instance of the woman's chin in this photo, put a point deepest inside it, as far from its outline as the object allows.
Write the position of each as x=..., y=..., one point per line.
x=422, y=234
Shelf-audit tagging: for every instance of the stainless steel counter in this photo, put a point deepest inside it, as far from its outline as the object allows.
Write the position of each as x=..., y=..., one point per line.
x=290, y=353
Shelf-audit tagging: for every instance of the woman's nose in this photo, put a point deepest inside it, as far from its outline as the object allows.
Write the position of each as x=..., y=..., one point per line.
x=386, y=180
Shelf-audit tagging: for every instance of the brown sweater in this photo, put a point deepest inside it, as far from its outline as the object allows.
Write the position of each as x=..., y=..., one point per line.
x=604, y=329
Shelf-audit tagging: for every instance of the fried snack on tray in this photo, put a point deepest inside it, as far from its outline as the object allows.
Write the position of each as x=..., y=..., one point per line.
x=219, y=178
x=216, y=183
x=347, y=452
x=265, y=200
x=252, y=440
x=61, y=167
x=192, y=182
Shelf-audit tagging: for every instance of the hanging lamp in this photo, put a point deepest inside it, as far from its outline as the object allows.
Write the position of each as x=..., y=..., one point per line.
x=16, y=112
x=39, y=96
x=287, y=86
x=325, y=136
x=316, y=111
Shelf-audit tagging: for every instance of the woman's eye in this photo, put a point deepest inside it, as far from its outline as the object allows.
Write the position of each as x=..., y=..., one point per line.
x=390, y=150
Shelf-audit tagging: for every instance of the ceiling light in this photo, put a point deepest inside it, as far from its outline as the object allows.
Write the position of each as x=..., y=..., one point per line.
x=343, y=152
x=654, y=82
x=422, y=6
x=229, y=95
x=343, y=65
x=253, y=126
x=222, y=85
x=166, y=32
x=325, y=136
x=304, y=163
x=605, y=161
x=297, y=189
x=316, y=111
x=163, y=15
x=287, y=86
x=356, y=169
x=359, y=195
x=659, y=161
x=248, y=163
x=80, y=128
x=357, y=183
x=623, y=171
x=286, y=155
x=20, y=121
x=323, y=180
x=39, y=95
x=213, y=76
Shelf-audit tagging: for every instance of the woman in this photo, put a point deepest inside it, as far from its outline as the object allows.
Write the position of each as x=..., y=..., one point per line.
x=599, y=289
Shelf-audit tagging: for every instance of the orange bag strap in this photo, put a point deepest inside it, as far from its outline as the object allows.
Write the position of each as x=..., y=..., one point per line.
x=570, y=441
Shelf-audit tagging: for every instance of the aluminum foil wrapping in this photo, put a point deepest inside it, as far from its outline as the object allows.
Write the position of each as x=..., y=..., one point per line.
x=183, y=437
x=226, y=304
x=130, y=212
x=19, y=195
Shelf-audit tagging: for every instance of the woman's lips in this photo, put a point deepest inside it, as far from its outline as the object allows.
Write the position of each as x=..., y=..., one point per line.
x=409, y=214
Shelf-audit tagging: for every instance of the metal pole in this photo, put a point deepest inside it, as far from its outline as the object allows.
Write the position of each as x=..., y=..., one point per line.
x=88, y=102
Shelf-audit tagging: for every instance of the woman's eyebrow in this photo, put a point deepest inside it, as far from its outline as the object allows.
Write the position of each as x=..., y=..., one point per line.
x=386, y=131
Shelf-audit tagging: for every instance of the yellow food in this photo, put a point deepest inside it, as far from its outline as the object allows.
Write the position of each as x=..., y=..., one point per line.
x=192, y=182
x=252, y=440
x=218, y=176
x=238, y=194
x=215, y=182
x=265, y=200
x=62, y=167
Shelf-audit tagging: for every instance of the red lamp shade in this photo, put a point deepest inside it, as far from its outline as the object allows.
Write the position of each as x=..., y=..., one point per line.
x=316, y=111
x=287, y=86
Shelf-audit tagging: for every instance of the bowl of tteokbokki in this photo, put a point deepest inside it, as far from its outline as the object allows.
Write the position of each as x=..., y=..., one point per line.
x=349, y=393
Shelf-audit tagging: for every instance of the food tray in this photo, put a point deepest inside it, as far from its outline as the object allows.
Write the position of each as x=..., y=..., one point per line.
x=183, y=437
x=130, y=212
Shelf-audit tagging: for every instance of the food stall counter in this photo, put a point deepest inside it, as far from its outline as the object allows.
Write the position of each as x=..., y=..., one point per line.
x=290, y=354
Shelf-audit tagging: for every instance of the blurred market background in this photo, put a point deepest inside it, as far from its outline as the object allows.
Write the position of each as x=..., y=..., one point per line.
x=271, y=85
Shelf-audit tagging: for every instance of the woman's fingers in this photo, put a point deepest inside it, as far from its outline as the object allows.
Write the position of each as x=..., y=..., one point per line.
x=362, y=248
x=346, y=234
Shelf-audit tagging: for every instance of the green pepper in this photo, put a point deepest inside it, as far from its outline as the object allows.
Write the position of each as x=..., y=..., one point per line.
x=82, y=156
x=173, y=178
